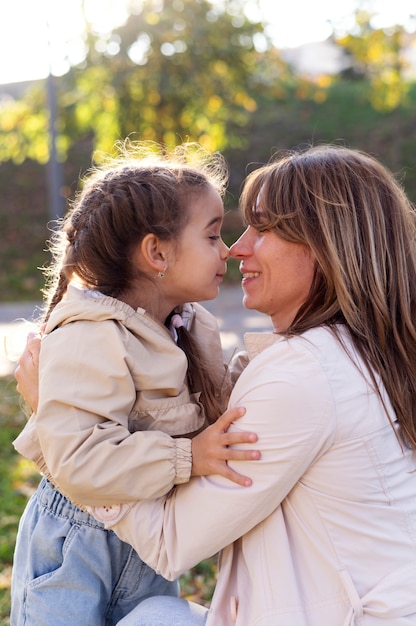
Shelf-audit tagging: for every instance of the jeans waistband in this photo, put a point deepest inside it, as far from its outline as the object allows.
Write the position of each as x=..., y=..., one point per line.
x=54, y=501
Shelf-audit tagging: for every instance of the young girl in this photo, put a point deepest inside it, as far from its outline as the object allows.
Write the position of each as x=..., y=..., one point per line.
x=127, y=371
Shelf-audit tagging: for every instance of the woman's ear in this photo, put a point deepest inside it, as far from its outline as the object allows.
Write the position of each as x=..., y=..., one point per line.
x=153, y=252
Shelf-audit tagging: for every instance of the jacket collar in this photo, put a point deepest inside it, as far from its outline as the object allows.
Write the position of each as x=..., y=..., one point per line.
x=257, y=342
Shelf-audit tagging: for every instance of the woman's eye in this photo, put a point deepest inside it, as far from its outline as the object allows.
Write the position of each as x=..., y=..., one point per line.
x=214, y=237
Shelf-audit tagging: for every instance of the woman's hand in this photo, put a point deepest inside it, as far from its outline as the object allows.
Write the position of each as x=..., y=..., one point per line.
x=211, y=451
x=27, y=371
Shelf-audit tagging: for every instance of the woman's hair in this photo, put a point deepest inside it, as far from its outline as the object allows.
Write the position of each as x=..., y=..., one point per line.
x=145, y=189
x=353, y=215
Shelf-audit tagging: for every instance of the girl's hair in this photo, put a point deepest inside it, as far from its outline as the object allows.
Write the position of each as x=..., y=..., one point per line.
x=145, y=189
x=353, y=215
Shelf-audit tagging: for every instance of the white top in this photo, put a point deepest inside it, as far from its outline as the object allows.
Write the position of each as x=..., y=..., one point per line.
x=326, y=536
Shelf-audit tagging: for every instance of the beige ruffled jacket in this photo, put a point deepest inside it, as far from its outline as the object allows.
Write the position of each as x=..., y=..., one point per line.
x=112, y=386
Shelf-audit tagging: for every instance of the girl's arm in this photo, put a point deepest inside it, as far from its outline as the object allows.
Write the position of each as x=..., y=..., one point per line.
x=211, y=449
x=102, y=462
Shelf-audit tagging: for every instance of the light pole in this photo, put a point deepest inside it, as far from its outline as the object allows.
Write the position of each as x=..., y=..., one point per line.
x=54, y=168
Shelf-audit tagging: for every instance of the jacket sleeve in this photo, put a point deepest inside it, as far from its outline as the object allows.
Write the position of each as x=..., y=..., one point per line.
x=86, y=395
x=293, y=417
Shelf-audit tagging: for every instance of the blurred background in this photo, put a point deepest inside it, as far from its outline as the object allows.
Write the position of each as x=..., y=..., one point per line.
x=245, y=77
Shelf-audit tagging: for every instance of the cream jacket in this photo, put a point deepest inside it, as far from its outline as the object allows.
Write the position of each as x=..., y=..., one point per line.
x=111, y=380
x=326, y=535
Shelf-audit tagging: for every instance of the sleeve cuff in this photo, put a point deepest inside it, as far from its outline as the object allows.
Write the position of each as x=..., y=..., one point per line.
x=183, y=460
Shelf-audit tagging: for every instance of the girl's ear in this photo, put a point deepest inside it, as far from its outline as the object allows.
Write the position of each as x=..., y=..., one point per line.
x=153, y=252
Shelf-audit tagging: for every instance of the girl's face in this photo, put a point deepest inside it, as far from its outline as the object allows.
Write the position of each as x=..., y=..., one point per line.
x=200, y=257
x=277, y=274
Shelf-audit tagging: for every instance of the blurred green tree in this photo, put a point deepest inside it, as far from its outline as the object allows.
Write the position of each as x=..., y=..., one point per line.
x=377, y=54
x=175, y=71
x=377, y=57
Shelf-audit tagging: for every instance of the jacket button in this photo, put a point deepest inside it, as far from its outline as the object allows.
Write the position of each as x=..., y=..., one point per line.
x=106, y=513
x=233, y=608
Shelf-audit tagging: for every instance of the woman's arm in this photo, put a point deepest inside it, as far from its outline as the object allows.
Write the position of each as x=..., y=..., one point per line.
x=289, y=406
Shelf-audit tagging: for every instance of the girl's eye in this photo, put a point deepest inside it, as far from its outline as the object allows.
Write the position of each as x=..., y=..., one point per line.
x=214, y=237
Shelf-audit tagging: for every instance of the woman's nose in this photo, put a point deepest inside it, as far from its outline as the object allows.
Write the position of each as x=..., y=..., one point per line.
x=239, y=248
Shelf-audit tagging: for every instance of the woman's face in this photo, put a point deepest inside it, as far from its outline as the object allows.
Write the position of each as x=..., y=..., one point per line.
x=277, y=274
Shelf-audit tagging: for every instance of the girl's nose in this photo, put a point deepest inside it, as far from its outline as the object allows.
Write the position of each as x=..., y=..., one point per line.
x=225, y=251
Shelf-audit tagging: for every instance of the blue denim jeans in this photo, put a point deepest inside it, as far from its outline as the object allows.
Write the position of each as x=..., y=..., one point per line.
x=164, y=611
x=69, y=570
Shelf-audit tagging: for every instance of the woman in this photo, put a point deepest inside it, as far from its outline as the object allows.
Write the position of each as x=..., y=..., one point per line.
x=326, y=535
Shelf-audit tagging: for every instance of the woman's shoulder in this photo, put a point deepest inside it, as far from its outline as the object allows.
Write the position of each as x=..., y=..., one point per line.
x=331, y=346
x=317, y=355
x=314, y=341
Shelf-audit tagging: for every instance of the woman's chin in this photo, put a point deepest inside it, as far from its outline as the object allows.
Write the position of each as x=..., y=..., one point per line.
x=248, y=302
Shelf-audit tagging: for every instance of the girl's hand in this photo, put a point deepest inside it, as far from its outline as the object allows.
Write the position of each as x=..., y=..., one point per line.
x=211, y=451
x=27, y=371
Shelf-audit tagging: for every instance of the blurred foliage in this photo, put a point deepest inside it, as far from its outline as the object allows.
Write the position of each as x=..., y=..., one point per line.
x=187, y=70
x=377, y=55
x=174, y=71
x=345, y=116
x=198, y=583
x=17, y=480
x=194, y=70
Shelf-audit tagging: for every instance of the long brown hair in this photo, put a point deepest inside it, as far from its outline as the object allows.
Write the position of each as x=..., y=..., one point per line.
x=354, y=216
x=145, y=189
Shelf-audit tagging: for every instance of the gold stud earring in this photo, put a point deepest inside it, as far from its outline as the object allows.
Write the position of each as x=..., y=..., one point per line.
x=161, y=274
